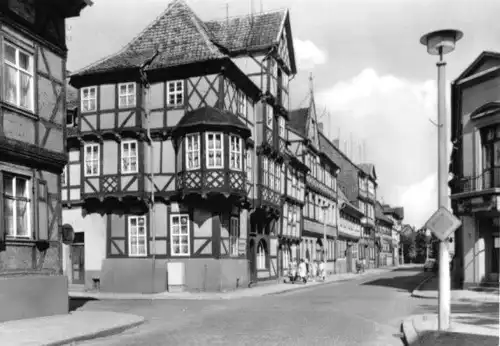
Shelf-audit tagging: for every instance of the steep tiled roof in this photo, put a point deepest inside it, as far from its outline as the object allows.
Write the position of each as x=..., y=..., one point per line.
x=368, y=169
x=328, y=148
x=180, y=36
x=209, y=116
x=343, y=198
x=398, y=212
x=246, y=32
x=298, y=120
x=379, y=213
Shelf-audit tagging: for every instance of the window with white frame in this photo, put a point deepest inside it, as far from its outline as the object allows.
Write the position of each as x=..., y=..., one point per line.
x=215, y=150
x=18, y=79
x=64, y=176
x=285, y=218
x=129, y=156
x=89, y=99
x=249, y=165
x=126, y=95
x=277, y=179
x=179, y=235
x=242, y=103
x=92, y=159
x=175, y=93
x=261, y=256
x=269, y=116
x=17, y=206
x=235, y=153
x=265, y=171
x=192, y=151
x=286, y=256
x=271, y=174
x=234, y=236
x=137, y=236
x=281, y=127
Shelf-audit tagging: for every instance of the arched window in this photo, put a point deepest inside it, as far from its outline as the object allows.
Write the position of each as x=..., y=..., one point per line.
x=261, y=255
x=491, y=156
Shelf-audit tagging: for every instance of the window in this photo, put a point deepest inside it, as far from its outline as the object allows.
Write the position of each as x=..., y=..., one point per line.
x=137, y=236
x=192, y=151
x=286, y=256
x=214, y=150
x=281, y=127
x=18, y=69
x=277, y=180
x=91, y=156
x=235, y=153
x=234, y=234
x=265, y=171
x=491, y=156
x=129, y=157
x=175, y=93
x=242, y=103
x=17, y=204
x=271, y=173
x=269, y=116
x=179, y=235
x=64, y=176
x=249, y=165
x=89, y=99
x=126, y=95
x=261, y=256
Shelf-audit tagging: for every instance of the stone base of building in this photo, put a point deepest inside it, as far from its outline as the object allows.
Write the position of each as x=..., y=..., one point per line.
x=134, y=275
x=31, y=296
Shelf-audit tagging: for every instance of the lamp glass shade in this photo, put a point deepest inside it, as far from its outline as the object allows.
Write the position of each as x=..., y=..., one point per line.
x=442, y=41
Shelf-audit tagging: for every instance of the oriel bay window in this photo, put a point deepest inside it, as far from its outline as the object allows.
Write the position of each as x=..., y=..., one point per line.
x=129, y=157
x=17, y=206
x=235, y=153
x=215, y=150
x=193, y=151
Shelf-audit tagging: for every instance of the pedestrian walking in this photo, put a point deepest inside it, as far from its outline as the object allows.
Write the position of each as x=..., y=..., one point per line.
x=322, y=270
x=303, y=270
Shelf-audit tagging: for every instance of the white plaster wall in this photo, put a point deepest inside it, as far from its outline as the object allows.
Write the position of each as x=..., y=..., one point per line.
x=474, y=252
x=94, y=227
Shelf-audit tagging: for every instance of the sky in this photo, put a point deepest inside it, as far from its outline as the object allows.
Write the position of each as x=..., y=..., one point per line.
x=374, y=83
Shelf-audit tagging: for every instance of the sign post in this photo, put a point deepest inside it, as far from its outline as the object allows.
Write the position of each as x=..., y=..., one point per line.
x=442, y=224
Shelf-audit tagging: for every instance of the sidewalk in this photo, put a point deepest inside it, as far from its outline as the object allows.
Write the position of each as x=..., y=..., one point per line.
x=474, y=318
x=465, y=329
x=64, y=329
x=429, y=289
x=257, y=291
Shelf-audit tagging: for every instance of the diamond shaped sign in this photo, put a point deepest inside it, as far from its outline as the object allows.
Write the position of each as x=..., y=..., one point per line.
x=443, y=223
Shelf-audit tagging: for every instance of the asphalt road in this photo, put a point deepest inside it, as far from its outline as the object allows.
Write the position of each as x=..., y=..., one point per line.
x=365, y=311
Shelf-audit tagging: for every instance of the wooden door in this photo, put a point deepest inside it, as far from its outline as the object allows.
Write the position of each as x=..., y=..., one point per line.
x=78, y=263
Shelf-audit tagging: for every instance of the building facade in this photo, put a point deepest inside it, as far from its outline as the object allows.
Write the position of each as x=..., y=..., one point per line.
x=396, y=215
x=475, y=165
x=383, y=237
x=350, y=231
x=32, y=156
x=320, y=210
x=177, y=156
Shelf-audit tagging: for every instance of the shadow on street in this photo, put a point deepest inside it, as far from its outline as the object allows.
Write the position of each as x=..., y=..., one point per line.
x=411, y=269
x=404, y=283
x=76, y=303
x=456, y=339
x=478, y=314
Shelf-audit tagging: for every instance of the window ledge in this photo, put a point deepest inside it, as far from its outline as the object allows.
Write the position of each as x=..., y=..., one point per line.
x=19, y=110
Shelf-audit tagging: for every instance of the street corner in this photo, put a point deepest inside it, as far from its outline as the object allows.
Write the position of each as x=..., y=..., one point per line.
x=65, y=329
x=410, y=335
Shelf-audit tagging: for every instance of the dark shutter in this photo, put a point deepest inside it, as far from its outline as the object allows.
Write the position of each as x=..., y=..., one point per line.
x=43, y=213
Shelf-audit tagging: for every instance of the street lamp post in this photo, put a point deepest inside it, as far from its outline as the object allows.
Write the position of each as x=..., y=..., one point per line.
x=439, y=43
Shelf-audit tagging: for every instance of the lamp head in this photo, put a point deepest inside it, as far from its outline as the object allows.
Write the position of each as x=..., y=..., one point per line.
x=442, y=41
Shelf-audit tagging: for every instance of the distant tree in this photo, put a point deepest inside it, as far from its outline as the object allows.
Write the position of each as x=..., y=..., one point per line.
x=421, y=243
x=412, y=252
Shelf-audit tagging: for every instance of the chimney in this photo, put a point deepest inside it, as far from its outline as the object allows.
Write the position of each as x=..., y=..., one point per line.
x=320, y=127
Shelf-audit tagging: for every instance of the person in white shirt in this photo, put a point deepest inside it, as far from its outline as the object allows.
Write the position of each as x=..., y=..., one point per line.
x=322, y=270
x=303, y=270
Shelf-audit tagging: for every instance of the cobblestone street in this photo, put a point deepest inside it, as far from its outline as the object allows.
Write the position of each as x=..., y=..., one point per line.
x=367, y=311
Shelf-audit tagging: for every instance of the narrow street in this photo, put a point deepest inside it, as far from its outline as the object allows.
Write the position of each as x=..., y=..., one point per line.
x=365, y=311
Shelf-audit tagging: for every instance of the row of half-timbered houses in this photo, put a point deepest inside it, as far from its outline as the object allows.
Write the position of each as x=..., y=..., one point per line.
x=188, y=169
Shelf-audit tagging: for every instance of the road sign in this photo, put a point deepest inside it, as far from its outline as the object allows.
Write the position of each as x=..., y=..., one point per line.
x=443, y=223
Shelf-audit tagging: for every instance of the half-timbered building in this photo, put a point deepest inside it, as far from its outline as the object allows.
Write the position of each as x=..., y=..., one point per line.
x=181, y=123
x=32, y=155
x=350, y=231
x=383, y=237
x=396, y=215
x=320, y=211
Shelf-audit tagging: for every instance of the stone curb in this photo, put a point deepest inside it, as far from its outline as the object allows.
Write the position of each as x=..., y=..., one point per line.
x=215, y=296
x=100, y=334
x=410, y=335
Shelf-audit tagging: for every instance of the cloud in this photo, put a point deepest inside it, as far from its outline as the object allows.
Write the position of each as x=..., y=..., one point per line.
x=391, y=115
x=308, y=54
